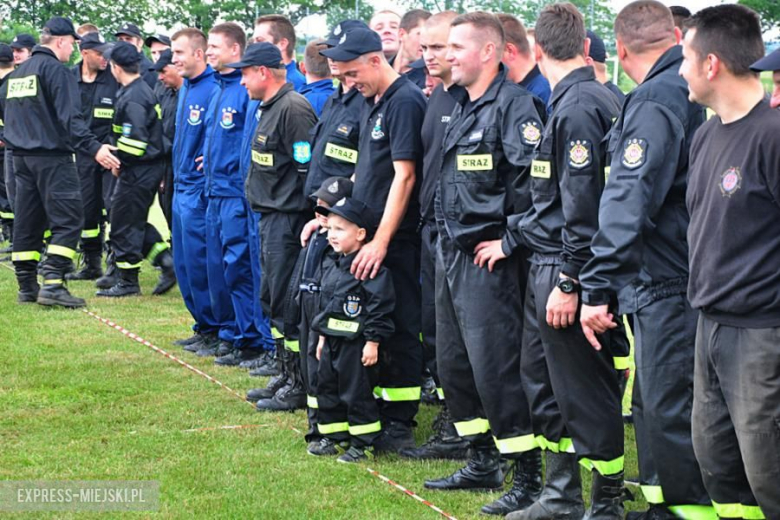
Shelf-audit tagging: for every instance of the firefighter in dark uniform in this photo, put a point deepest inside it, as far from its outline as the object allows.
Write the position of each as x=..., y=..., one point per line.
x=138, y=136
x=353, y=323
x=43, y=125
x=486, y=152
x=130, y=33
x=168, y=97
x=6, y=212
x=571, y=388
x=281, y=153
x=640, y=256
x=98, y=90
x=387, y=167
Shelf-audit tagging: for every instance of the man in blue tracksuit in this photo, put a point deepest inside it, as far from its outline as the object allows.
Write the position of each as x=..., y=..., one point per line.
x=189, y=200
x=228, y=220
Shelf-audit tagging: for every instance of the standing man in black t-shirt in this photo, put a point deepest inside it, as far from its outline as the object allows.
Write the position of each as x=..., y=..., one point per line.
x=733, y=194
x=445, y=442
x=388, y=165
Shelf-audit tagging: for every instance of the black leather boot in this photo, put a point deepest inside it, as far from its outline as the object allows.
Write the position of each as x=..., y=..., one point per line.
x=445, y=443
x=55, y=294
x=126, y=285
x=606, y=497
x=167, y=280
x=91, y=270
x=481, y=473
x=292, y=396
x=28, y=287
x=111, y=277
x=561, y=498
x=526, y=485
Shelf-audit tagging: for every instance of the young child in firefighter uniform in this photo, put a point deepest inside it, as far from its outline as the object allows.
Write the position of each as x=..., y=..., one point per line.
x=354, y=320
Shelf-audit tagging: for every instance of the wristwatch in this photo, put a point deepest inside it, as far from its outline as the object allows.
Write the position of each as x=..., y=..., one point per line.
x=567, y=285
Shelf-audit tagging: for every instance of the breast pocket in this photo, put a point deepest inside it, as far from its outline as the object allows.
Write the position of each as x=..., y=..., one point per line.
x=477, y=157
x=265, y=152
x=341, y=145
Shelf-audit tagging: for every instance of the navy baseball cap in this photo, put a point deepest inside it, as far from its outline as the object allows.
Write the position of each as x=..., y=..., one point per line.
x=333, y=190
x=23, y=41
x=166, y=58
x=354, y=44
x=6, y=53
x=129, y=29
x=59, y=26
x=160, y=38
x=260, y=55
x=769, y=62
x=123, y=54
x=341, y=28
x=598, y=52
x=91, y=40
x=352, y=210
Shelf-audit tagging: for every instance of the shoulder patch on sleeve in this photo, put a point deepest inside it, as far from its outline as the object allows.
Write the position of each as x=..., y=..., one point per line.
x=302, y=152
x=634, y=153
x=127, y=129
x=580, y=153
x=531, y=132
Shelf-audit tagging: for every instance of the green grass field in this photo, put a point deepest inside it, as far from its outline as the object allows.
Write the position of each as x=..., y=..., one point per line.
x=81, y=401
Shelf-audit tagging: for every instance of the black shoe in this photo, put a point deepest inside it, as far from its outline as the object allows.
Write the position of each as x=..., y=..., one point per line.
x=187, y=341
x=274, y=385
x=237, y=356
x=443, y=444
x=27, y=297
x=263, y=359
x=395, y=436
x=285, y=400
x=209, y=349
x=120, y=290
x=28, y=289
x=526, y=485
x=561, y=497
x=59, y=296
x=208, y=342
x=273, y=365
x=111, y=277
x=355, y=454
x=224, y=348
x=324, y=448
x=481, y=473
x=656, y=512
x=167, y=280
x=91, y=270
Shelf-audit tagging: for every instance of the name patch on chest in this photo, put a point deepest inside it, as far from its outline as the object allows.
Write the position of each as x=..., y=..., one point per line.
x=341, y=153
x=475, y=163
x=541, y=169
x=263, y=159
x=103, y=113
x=343, y=325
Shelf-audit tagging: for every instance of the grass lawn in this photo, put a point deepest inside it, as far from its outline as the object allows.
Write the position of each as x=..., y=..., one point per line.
x=81, y=401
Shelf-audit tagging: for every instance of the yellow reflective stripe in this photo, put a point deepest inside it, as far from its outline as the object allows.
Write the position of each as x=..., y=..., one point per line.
x=311, y=402
x=440, y=393
x=728, y=510
x=519, y=444
x=129, y=150
x=129, y=146
x=103, y=113
x=472, y=427
x=333, y=428
x=694, y=512
x=128, y=265
x=53, y=281
x=752, y=513
x=90, y=233
x=158, y=110
x=67, y=252
x=605, y=467
x=24, y=256
x=475, y=163
x=621, y=362
x=292, y=345
x=47, y=234
x=363, y=429
x=7, y=216
x=398, y=394
x=653, y=494
x=565, y=445
x=117, y=129
x=341, y=153
x=157, y=248
x=276, y=334
x=134, y=142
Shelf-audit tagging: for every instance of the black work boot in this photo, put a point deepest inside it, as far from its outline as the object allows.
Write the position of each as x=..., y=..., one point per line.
x=292, y=396
x=91, y=270
x=445, y=443
x=127, y=285
x=205, y=340
x=606, y=497
x=188, y=341
x=266, y=357
x=209, y=347
x=55, y=294
x=561, y=497
x=237, y=356
x=111, y=277
x=167, y=280
x=526, y=485
x=224, y=348
x=274, y=385
x=275, y=368
x=481, y=473
x=28, y=288
x=395, y=437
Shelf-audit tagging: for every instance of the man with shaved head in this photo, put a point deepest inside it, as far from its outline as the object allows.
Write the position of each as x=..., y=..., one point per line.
x=486, y=152
x=640, y=255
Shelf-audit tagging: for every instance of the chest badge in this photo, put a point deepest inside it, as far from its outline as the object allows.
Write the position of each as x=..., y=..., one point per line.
x=195, y=115
x=376, y=132
x=352, y=306
x=531, y=133
x=730, y=181
x=227, y=118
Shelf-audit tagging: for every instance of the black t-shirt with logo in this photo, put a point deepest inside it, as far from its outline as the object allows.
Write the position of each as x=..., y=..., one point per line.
x=437, y=117
x=734, y=202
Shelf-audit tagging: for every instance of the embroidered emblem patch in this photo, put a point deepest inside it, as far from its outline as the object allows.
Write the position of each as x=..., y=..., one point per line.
x=531, y=133
x=730, y=181
x=579, y=153
x=376, y=132
x=227, y=118
x=195, y=113
x=334, y=187
x=634, y=153
x=302, y=151
x=343, y=129
x=127, y=129
x=352, y=306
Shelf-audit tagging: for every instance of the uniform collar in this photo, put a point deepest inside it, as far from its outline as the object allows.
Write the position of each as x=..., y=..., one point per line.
x=398, y=83
x=461, y=95
x=671, y=58
x=287, y=87
x=345, y=261
x=40, y=49
x=345, y=98
x=318, y=86
x=578, y=75
x=292, y=66
x=532, y=75
x=208, y=72
x=230, y=78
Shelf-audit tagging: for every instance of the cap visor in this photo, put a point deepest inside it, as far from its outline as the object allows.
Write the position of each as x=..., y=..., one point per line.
x=239, y=65
x=770, y=62
x=337, y=54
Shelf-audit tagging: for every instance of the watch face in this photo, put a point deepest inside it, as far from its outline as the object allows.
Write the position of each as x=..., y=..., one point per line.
x=566, y=286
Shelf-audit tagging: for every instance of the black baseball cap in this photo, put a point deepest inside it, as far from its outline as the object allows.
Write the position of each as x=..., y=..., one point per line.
x=354, y=44
x=166, y=58
x=769, y=62
x=129, y=29
x=598, y=52
x=123, y=54
x=160, y=38
x=6, y=53
x=259, y=54
x=352, y=210
x=341, y=28
x=91, y=40
x=333, y=190
x=59, y=26
x=23, y=41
